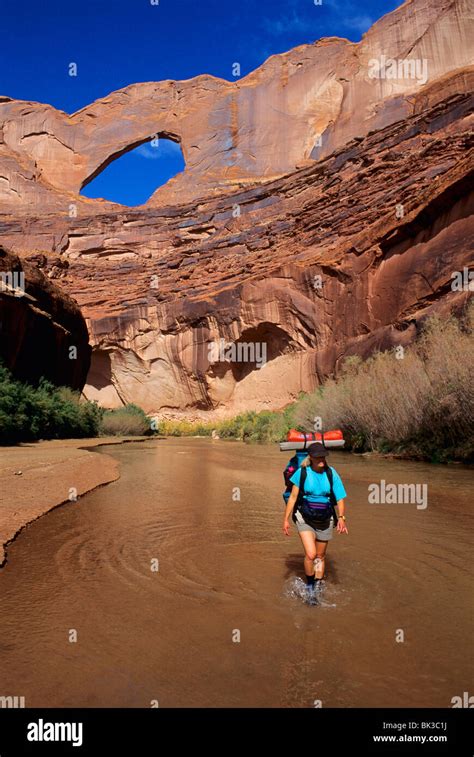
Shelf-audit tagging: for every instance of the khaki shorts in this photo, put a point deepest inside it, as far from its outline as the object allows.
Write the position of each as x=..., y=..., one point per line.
x=321, y=534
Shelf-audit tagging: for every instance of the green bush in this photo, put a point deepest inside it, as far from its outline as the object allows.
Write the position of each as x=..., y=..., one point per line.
x=28, y=413
x=129, y=420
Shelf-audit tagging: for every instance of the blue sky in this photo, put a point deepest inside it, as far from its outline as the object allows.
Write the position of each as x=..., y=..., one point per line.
x=119, y=42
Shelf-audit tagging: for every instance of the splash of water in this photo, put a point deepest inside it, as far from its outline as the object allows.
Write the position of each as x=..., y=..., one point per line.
x=296, y=588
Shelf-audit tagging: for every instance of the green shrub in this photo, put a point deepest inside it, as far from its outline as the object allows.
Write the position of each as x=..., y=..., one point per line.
x=28, y=413
x=129, y=420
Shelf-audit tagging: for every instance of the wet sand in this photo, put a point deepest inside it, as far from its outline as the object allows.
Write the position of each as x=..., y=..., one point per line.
x=37, y=477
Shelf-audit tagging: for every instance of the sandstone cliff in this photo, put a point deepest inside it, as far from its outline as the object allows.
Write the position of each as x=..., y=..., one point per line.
x=322, y=212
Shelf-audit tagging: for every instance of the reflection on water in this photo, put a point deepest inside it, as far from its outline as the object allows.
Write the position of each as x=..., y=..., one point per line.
x=182, y=588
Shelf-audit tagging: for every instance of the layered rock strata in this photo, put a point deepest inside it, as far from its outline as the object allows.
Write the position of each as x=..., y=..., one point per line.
x=325, y=210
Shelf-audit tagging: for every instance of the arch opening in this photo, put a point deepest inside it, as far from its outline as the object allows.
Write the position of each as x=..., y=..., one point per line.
x=131, y=175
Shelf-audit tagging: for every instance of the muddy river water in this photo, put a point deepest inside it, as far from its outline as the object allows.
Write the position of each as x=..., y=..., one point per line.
x=174, y=586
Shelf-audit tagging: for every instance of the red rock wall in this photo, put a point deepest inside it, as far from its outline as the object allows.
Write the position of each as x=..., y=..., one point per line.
x=318, y=252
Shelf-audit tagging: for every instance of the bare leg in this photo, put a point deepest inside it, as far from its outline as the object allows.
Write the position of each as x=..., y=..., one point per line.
x=320, y=561
x=309, y=544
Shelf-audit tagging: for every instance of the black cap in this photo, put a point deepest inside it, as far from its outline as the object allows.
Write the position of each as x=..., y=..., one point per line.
x=317, y=450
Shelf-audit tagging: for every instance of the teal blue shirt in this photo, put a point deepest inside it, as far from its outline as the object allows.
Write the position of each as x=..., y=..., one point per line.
x=317, y=485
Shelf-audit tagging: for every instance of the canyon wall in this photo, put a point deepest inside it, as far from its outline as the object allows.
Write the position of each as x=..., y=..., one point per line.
x=325, y=208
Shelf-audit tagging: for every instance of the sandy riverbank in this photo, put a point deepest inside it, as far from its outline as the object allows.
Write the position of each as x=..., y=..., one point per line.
x=49, y=470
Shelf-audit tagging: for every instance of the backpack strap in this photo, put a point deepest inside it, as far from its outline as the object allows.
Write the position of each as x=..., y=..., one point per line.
x=332, y=496
x=300, y=490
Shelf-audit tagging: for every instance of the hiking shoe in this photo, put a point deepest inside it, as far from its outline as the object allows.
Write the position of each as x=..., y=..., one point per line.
x=311, y=597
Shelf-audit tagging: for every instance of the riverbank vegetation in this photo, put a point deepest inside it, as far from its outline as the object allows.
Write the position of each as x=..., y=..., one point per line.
x=266, y=426
x=29, y=413
x=129, y=420
x=419, y=402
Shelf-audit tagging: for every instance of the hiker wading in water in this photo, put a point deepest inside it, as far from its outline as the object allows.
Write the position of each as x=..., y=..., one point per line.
x=314, y=514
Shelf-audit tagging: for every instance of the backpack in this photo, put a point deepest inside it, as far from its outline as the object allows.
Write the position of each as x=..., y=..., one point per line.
x=311, y=516
x=291, y=466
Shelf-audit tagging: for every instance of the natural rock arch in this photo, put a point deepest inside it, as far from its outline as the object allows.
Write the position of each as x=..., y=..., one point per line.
x=117, y=154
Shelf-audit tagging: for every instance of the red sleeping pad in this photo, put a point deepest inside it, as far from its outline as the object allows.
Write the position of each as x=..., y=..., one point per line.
x=299, y=440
